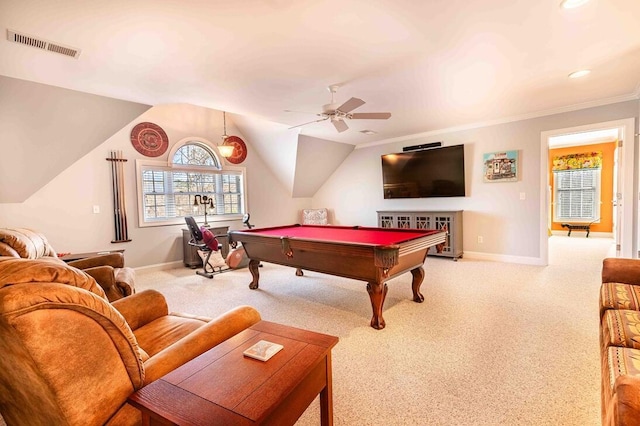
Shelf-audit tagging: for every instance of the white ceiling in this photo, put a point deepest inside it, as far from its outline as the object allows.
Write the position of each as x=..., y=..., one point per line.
x=433, y=64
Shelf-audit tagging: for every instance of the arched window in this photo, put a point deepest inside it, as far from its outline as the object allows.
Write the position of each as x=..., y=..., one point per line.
x=196, y=155
x=168, y=190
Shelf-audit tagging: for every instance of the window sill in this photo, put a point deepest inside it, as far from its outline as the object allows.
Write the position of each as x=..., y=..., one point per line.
x=199, y=219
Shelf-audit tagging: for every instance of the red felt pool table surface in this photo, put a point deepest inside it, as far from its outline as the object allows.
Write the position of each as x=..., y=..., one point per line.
x=345, y=234
x=373, y=255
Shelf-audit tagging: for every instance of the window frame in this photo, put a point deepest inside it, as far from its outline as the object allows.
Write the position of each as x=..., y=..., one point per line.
x=143, y=163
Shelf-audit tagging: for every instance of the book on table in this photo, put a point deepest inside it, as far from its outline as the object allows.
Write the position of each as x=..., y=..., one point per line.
x=263, y=350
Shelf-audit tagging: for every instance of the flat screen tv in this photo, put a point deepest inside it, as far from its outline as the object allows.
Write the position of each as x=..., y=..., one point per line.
x=436, y=172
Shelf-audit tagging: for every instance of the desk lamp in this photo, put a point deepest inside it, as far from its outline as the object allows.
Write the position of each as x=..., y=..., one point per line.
x=206, y=201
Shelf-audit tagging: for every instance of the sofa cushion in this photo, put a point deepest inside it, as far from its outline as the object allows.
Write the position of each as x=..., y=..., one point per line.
x=165, y=331
x=621, y=328
x=27, y=243
x=619, y=362
x=46, y=270
x=68, y=332
x=619, y=296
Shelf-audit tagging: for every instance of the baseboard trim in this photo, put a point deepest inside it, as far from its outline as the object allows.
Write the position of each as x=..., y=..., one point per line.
x=583, y=234
x=503, y=258
x=159, y=266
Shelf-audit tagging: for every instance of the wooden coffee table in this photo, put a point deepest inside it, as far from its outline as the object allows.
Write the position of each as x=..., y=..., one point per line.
x=223, y=387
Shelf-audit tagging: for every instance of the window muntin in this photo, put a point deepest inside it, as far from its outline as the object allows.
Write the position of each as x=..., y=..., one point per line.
x=196, y=155
x=168, y=190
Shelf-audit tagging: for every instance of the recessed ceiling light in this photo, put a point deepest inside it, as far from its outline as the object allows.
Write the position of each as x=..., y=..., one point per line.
x=571, y=4
x=578, y=74
x=368, y=132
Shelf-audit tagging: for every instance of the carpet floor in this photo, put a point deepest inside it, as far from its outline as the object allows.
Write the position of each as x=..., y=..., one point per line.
x=492, y=344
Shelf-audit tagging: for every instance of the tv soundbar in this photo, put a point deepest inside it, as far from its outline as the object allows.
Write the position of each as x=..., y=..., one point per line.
x=422, y=146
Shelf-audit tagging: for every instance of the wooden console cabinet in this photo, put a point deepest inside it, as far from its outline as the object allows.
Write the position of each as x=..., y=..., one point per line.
x=191, y=258
x=451, y=220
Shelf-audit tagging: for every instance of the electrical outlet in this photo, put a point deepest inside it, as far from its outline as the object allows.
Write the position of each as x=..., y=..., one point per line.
x=480, y=239
x=523, y=196
x=96, y=209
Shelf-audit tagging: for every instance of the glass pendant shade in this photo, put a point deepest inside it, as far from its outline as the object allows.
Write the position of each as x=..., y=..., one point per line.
x=225, y=150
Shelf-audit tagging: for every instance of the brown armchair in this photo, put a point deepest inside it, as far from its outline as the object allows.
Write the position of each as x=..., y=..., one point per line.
x=108, y=270
x=70, y=357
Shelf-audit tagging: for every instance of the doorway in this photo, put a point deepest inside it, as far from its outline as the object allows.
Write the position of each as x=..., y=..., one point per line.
x=623, y=189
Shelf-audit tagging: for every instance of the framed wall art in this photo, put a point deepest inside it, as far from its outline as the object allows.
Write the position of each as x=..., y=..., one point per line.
x=500, y=166
x=149, y=139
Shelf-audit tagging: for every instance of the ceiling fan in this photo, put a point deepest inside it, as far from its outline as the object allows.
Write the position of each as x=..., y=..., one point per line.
x=338, y=113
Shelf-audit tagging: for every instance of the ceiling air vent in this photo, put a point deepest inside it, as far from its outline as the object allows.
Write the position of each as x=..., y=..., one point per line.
x=32, y=41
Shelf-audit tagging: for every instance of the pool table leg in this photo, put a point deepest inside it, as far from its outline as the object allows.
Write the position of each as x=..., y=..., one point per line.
x=418, y=276
x=253, y=268
x=377, y=293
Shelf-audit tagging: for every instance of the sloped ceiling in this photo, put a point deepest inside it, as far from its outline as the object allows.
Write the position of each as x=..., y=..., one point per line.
x=317, y=159
x=45, y=129
x=301, y=163
x=433, y=64
x=274, y=144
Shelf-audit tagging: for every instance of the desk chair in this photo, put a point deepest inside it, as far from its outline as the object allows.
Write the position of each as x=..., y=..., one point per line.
x=205, y=242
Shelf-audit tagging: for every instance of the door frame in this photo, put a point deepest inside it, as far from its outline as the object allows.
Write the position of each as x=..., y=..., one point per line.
x=626, y=133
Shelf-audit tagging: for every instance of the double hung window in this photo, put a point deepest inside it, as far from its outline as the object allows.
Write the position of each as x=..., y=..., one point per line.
x=577, y=187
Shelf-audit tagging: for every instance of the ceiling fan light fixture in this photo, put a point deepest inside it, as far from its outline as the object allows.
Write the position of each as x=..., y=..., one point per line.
x=368, y=132
x=225, y=150
x=338, y=114
x=580, y=73
x=572, y=4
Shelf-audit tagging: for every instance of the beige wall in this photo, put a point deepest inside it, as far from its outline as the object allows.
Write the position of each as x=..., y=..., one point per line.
x=63, y=209
x=510, y=227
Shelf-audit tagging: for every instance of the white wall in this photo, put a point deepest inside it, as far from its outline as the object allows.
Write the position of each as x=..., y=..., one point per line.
x=63, y=209
x=510, y=227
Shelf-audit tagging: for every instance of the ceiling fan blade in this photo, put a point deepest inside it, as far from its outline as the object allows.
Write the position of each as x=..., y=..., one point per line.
x=310, y=122
x=302, y=112
x=370, y=115
x=340, y=125
x=350, y=105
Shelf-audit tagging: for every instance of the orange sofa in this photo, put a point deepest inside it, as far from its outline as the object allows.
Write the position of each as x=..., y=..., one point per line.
x=70, y=357
x=620, y=341
x=109, y=271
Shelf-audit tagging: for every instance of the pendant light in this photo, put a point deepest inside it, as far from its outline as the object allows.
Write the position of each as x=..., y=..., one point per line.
x=225, y=150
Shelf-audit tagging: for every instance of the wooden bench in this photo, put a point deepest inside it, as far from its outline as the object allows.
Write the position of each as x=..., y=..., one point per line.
x=578, y=227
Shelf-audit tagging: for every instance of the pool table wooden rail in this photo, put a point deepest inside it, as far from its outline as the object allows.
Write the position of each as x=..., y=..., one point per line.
x=368, y=262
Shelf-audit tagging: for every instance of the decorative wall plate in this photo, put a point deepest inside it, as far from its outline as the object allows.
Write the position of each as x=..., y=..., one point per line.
x=149, y=139
x=239, y=150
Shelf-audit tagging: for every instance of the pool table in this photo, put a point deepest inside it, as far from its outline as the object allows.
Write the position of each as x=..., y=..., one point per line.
x=374, y=255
